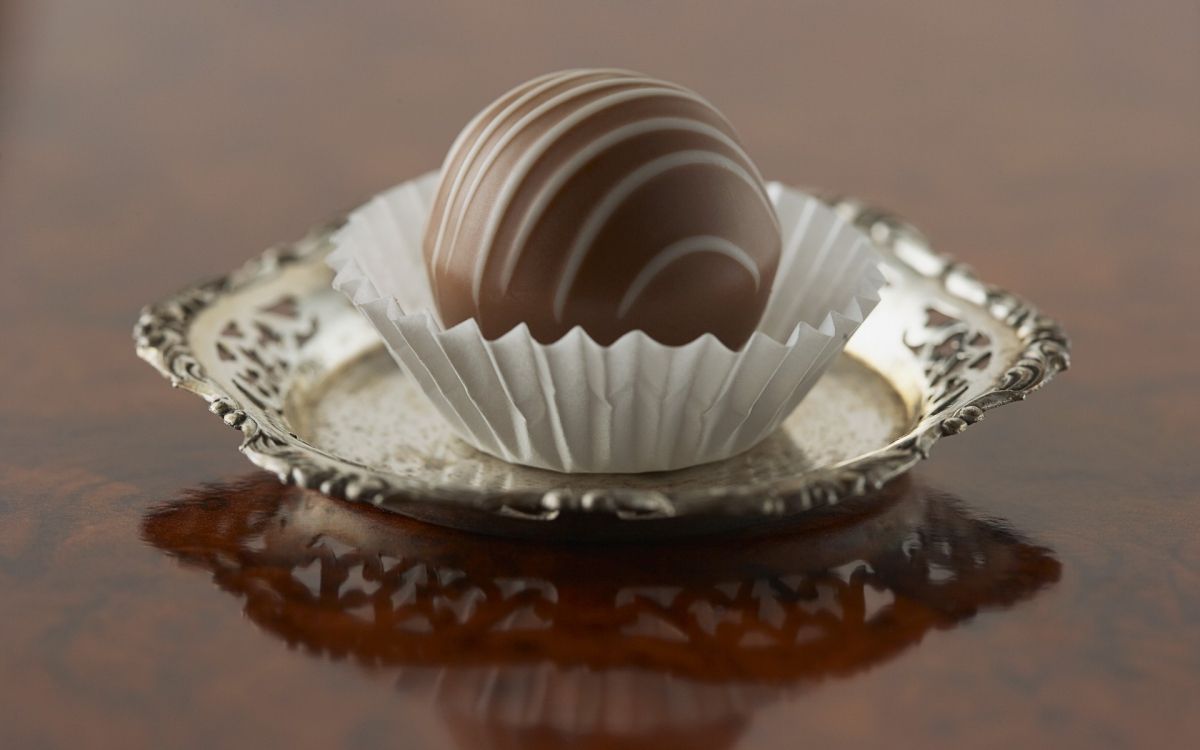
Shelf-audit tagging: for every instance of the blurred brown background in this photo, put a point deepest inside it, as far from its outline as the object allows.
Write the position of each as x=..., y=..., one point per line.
x=1055, y=147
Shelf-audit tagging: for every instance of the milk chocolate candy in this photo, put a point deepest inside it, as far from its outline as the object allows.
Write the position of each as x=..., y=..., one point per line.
x=607, y=200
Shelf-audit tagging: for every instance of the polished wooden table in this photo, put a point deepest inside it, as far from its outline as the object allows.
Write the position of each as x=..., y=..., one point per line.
x=1035, y=584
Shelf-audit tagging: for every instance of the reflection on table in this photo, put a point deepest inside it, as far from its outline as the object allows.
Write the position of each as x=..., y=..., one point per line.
x=546, y=645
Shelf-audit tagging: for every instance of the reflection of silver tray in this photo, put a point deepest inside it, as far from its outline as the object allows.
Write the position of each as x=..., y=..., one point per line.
x=281, y=356
x=667, y=645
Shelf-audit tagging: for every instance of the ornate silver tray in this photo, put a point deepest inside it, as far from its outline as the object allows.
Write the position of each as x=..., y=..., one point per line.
x=280, y=355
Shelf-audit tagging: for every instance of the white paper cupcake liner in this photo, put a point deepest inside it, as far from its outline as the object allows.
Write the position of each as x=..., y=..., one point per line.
x=635, y=405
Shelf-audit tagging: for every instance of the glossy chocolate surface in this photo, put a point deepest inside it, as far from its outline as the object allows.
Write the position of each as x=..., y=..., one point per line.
x=603, y=199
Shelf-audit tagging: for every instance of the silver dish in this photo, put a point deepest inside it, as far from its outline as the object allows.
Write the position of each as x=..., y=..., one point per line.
x=284, y=358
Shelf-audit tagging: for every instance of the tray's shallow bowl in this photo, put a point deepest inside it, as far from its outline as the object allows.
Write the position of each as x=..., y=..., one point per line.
x=283, y=357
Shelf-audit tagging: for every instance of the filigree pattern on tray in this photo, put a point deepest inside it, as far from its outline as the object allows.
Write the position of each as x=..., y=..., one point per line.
x=973, y=346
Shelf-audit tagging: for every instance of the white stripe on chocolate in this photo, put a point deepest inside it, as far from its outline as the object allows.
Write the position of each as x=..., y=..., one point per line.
x=469, y=130
x=468, y=133
x=554, y=184
x=701, y=243
x=539, y=148
x=477, y=144
x=612, y=200
x=573, y=92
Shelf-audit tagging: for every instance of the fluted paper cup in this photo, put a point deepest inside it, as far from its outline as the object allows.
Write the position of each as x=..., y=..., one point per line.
x=635, y=405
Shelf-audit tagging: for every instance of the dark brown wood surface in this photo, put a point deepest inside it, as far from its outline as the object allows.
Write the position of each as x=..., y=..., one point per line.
x=1035, y=584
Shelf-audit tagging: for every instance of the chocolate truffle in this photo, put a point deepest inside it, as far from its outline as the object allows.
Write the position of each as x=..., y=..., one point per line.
x=603, y=199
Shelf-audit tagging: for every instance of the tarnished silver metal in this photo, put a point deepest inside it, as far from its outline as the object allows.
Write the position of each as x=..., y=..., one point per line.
x=284, y=358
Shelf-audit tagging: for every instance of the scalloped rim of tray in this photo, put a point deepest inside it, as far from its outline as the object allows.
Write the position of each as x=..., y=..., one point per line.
x=162, y=339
